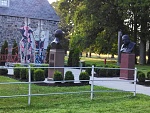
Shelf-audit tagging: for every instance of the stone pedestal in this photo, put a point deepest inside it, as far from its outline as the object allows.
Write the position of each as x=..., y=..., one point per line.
x=127, y=61
x=56, y=59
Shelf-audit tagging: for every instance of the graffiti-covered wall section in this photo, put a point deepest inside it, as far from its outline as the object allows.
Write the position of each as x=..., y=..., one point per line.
x=42, y=32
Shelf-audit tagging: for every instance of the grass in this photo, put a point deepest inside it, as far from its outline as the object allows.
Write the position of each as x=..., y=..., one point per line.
x=103, y=102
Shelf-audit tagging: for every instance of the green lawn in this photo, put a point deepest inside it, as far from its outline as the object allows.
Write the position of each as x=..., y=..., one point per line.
x=110, y=61
x=103, y=102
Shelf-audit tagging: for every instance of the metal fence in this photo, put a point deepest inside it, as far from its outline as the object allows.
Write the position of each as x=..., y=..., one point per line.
x=92, y=80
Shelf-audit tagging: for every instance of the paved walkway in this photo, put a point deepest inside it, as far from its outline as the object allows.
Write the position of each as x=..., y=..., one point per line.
x=115, y=82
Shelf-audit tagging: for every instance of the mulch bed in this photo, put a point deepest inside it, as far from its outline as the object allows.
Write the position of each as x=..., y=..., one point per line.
x=61, y=84
x=65, y=84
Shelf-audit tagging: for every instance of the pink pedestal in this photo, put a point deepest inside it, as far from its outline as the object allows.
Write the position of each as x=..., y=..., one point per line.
x=127, y=61
x=56, y=59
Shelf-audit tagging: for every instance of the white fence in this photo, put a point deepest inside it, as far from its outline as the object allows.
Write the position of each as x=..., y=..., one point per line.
x=92, y=80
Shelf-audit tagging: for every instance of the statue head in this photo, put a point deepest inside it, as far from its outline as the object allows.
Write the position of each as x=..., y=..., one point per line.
x=125, y=39
x=58, y=34
x=55, y=44
x=127, y=46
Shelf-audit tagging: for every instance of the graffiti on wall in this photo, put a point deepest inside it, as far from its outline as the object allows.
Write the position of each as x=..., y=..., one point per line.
x=27, y=45
x=39, y=51
x=32, y=48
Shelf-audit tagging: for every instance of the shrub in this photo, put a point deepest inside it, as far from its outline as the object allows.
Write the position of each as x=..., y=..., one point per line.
x=110, y=72
x=141, y=77
x=32, y=74
x=39, y=75
x=88, y=70
x=117, y=71
x=84, y=76
x=16, y=73
x=46, y=72
x=139, y=72
x=69, y=76
x=57, y=76
x=102, y=72
x=3, y=71
x=23, y=73
x=148, y=75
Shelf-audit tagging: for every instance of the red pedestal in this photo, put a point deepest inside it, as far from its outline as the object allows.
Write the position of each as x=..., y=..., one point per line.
x=56, y=59
x=127, y=61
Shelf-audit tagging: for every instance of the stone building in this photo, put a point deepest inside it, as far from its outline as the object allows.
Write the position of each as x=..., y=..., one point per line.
x=39, y=15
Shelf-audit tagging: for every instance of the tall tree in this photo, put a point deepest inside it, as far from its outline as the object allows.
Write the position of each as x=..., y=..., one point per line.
x=135, y=15
x=4, y=49
x=15, y=48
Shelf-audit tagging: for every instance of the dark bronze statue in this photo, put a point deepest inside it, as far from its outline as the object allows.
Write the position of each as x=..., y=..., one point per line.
x=55, y=44
x=127, y=46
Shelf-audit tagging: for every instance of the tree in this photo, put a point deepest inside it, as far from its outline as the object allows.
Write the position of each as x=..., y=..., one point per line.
x=90, y=19
x=4, y=49
x=94, y=18
x=73, y=59
x=15, y=48
x=15, y=52
x=47, y=53
x=136, y=14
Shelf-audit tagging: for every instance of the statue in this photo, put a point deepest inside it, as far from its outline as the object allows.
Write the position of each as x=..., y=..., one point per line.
x=127, y=46
x=55, y=44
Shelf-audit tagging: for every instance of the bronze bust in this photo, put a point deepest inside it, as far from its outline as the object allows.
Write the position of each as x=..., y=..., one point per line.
x=55, y=44
x=127, y=46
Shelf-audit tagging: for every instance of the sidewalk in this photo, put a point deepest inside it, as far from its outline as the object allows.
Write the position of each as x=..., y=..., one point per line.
x=115, y=83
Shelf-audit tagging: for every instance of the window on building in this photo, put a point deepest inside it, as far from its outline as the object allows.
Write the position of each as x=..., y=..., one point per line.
x=4, y=3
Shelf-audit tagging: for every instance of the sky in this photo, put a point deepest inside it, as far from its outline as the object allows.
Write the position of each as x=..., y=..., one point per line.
x=50, y=1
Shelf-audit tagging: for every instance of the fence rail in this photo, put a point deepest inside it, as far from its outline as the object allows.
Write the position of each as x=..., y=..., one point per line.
x=92, y=80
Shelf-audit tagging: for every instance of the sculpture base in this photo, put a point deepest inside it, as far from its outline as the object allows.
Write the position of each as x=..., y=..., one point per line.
x=127, y=61
x=56, y=59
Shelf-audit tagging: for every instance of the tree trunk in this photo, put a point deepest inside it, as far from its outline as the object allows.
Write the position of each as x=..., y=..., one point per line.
x=142, y=59
x=89, y=54
x=148, y=61
x=143, y=41
x=135, y=37
x=86, y=54
x=112, y=56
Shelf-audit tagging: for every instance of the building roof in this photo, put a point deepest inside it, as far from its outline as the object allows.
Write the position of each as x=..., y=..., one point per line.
x=38, y=9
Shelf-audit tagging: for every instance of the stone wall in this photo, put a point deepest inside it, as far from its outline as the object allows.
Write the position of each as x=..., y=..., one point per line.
x=9, y=29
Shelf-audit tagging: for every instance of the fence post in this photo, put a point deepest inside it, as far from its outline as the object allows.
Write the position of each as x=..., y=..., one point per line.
x=29, y=82
x=135, y=76
x=92, y=82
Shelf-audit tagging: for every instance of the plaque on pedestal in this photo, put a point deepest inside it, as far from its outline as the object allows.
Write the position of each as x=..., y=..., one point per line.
x=127, y=61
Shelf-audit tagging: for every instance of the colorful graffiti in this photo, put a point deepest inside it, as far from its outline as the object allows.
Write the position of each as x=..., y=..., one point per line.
x=32, y=45
x=27, y=45
x=39, y=52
